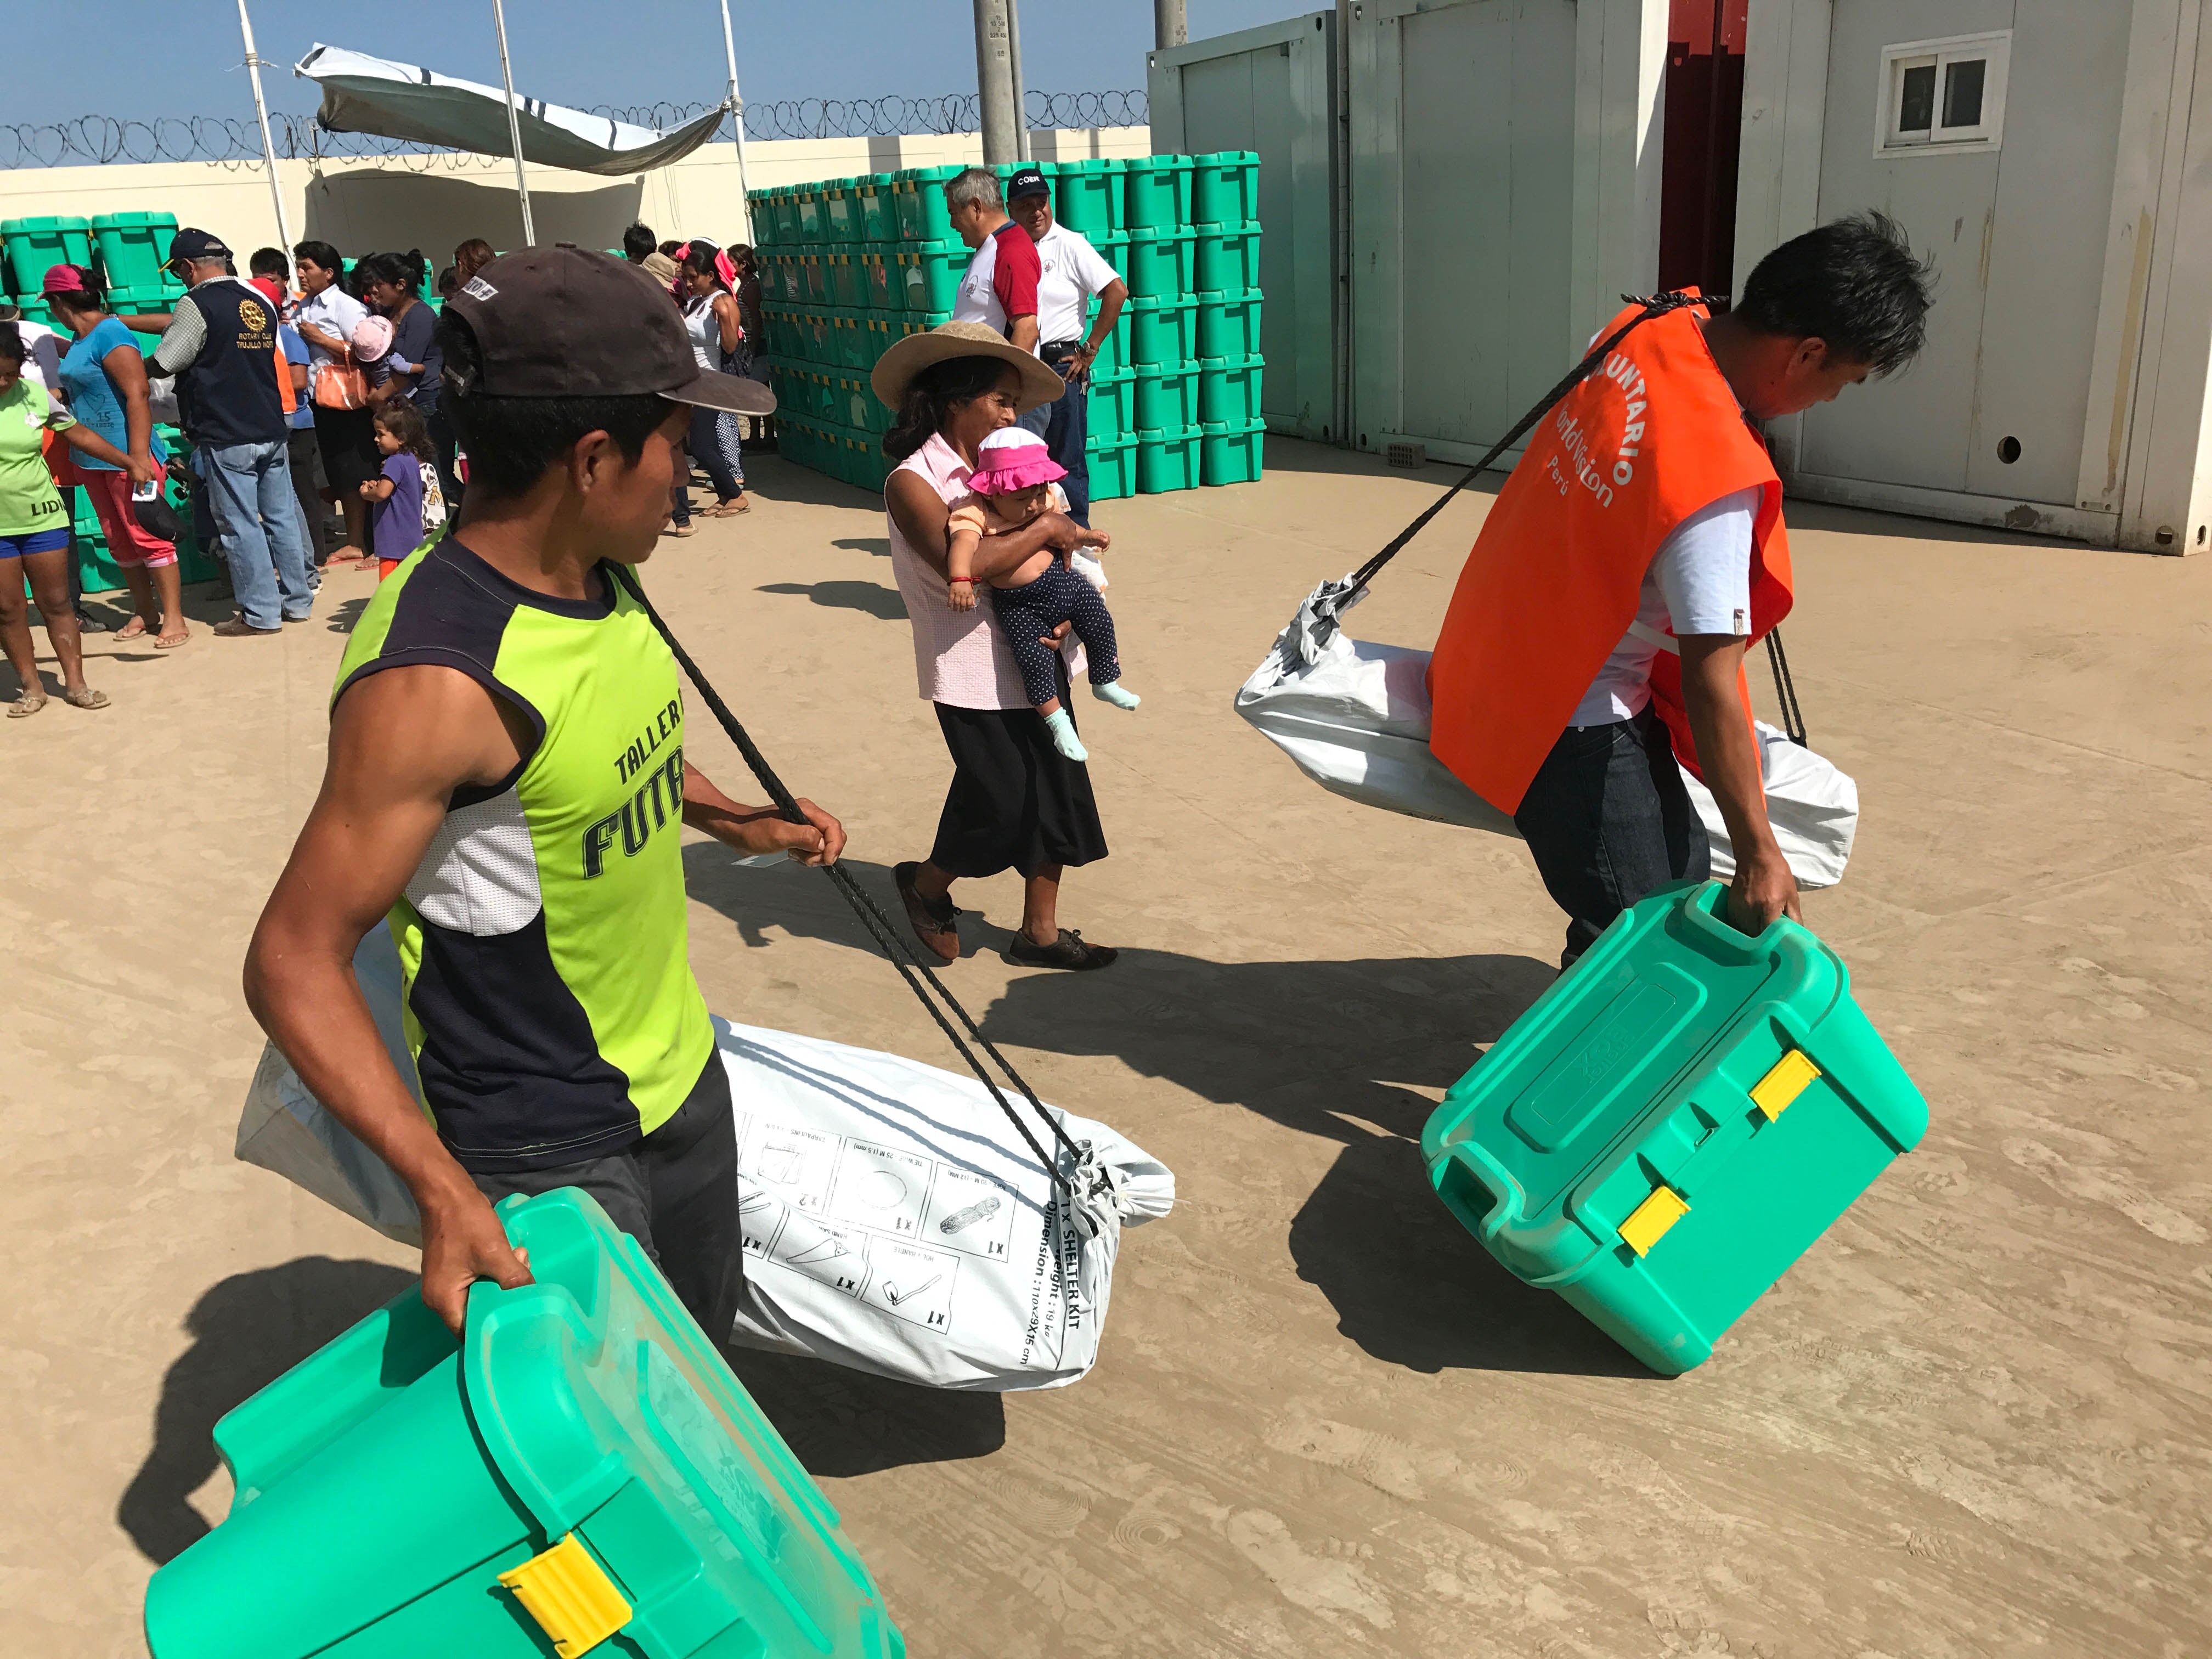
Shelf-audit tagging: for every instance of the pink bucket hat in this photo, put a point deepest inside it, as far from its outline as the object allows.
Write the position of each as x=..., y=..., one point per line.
x=1010, y=459
x=371, y=339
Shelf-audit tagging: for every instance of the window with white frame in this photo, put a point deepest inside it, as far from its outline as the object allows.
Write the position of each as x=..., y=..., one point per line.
x=1941, y=97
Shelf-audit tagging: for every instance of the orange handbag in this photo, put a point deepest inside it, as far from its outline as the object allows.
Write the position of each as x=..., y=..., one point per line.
x=340, y=384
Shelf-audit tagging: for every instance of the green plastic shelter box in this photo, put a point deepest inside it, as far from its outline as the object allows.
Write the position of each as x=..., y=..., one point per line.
x=1083, y=198
x=922, y=216
x=864, y=410
x=795, y=439
x=841, y=218
x=881, y=327
x=850, y=330
x=934, y=276
x=876, y=291
x=895, y=266
x=1674, y=1122
x=816, y=342
x=1224, y=188
x=1228, y=260
x=1167, y=398
x=1111, y=412
x=1166, y=460
x=1114, y=248
x=1231, y=452
x=128, y=248
x=34, y=244
x=1228, y=325
x=579, y=1468
x=1114, y=351
x=1229, y=389
x=37, y=311
x=849, y=282
x=1161, y=265
x=1113, y=468
x=874, y=194
x=1162, y=332
x=1157, y=192
x=869, y=466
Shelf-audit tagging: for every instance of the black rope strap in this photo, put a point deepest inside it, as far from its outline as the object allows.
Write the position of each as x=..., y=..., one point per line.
x=1657, y=306
x=871, y=915
x=1785, y=690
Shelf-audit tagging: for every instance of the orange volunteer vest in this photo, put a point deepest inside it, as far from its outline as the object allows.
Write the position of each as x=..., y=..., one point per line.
x=1553, y=582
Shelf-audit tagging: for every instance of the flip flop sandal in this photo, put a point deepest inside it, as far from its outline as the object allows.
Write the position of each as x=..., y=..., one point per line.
x=85, y=697
x=24, y=706
x=136, y=628
x=163, y=642
x=1069, y=951
x=937, y=926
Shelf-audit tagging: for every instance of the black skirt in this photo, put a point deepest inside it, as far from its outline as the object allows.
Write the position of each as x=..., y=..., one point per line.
x=347, y=438
x=1015, y=802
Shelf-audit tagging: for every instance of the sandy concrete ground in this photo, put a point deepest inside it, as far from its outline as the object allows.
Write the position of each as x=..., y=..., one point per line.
x=1974, y=1420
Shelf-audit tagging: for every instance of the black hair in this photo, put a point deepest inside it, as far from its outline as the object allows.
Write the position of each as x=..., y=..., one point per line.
x=12, y=348
x=91, y=297
x=699, y=258
x=405, y=421
x=449, y=282
x=1853, y=283
x=270, y=261
x=929, y=399
x=669, y=248
x=512, y=442
x=323, y=254
x=638, y=242
x=406, y=270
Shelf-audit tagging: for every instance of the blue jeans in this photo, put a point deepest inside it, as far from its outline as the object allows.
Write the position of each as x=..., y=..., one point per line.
x=249, y=487
x=1065, y=426
x=1609, y=821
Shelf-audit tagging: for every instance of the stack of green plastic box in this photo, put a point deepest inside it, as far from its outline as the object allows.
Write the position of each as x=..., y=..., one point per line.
x=850, y=266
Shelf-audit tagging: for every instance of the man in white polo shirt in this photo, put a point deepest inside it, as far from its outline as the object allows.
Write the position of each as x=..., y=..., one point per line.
x=1071, y=272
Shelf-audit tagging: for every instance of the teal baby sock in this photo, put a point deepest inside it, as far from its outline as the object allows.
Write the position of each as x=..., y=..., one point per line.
x=1063, y=735
x=1112, y=692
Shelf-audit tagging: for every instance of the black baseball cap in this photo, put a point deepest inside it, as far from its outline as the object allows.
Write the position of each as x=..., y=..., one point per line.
x=1027, y=180
x=565, y=322
x=190, y=244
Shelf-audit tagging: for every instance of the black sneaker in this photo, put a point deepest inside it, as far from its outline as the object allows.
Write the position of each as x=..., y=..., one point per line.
x=87, y=623
x=1069, y=951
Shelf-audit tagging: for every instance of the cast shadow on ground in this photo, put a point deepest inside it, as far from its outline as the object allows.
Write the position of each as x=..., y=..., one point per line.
x=780, y=480
x=839, y=1422
x=878, y=547
x=871, y=597
x=1339, y=1050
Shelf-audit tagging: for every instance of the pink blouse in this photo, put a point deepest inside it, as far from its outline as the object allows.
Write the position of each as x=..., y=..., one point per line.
x=960, y=657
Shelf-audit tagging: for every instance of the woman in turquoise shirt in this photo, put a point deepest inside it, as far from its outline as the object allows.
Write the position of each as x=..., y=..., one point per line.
x=104, y=378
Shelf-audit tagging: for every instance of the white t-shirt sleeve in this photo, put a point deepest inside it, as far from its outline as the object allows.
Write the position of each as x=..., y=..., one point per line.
x=1702, y=569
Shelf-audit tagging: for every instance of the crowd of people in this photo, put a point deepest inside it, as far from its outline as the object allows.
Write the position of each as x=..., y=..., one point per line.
x=310, y=396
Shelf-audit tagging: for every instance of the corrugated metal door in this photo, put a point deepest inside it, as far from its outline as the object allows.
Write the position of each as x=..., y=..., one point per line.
x=1463, y=119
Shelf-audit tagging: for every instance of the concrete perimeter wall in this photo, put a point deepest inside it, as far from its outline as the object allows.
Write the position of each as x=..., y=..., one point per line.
x=360, y=204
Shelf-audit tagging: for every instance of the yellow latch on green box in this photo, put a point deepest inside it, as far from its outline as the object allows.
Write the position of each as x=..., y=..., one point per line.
x=570, y=1596
x=1791, y=1075
x=1649, y=1222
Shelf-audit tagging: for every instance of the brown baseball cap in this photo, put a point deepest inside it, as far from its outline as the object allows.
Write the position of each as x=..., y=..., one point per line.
x=565, y=322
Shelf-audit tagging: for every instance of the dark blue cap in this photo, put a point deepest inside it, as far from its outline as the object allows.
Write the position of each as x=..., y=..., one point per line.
x=1027, y=180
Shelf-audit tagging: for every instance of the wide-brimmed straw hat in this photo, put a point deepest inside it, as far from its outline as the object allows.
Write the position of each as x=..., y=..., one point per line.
x=896, y=369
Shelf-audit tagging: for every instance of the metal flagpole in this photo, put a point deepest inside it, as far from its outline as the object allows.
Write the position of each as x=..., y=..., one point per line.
x=513, y=122
x=1021, y=92
x=737, y=114
x=261, y=110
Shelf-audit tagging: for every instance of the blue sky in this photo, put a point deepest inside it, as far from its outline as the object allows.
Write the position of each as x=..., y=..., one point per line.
x=612, y=51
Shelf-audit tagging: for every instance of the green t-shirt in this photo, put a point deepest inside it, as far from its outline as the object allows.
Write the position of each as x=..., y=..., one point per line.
x=550, y=1000
x=28, y=501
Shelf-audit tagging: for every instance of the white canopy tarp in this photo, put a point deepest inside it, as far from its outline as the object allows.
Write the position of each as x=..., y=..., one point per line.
x=362, y=94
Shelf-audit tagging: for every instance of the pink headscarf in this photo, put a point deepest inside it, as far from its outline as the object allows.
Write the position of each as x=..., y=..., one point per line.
x=725, y=268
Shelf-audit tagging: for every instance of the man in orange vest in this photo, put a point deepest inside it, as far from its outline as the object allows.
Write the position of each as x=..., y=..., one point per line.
x=1637, y=552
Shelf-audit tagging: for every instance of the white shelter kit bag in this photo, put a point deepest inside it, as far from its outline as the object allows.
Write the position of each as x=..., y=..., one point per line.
x=1354, y=717
x=895, y=1220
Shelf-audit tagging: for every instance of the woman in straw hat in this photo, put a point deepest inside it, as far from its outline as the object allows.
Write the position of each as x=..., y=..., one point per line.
x=1015, y=802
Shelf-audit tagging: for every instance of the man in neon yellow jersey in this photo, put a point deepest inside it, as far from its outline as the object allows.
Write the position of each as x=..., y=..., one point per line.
x=506, y=782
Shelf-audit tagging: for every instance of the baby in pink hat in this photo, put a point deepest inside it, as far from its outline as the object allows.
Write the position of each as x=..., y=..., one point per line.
x=1014, y=479
x=372, y=349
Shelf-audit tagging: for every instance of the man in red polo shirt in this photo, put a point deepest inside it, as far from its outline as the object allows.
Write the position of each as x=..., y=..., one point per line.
x=1001, y=287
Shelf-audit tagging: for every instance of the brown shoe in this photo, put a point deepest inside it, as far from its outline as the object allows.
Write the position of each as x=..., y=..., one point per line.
x=1069, y=951
x=936, y=925
x=239, y=628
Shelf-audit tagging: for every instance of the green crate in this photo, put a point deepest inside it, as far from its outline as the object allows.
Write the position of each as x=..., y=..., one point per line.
x=812, y=221
x=816, y=343
x=933, y=278
x=1166, y=460
x=1228, y=260
x=864, y=410
x=1675, y=1122
x=1157, y=192
x=1083, y=196
x=1231, y=452
x=582, y=1448
x=1229, y=389
x=1224, y=188
x=1161, y=264
x=881, y=328
x=841, y=218
x=1162, y=332
x=1111, y=410
x=33, y=246
x=128, y=249
x=1113, y=350
x=866, y=465
x=1115, y=250
x=878, y=223
x=919, y=203
x=1228, y=325
x=850, y=334
x=877, y=270
x=849, y=282
x=1113, y=469
x=1167, y=398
